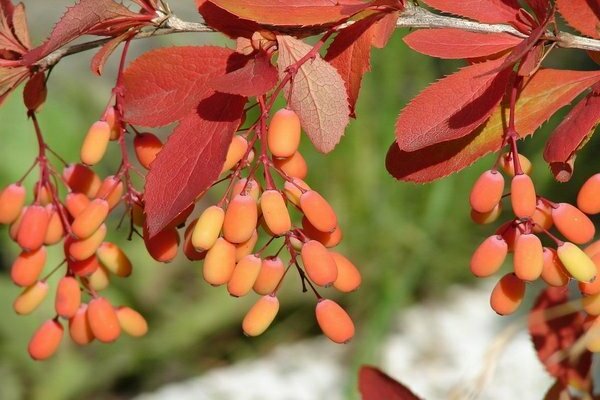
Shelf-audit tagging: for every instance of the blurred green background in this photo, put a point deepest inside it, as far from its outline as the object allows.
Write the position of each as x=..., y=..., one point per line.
x=410, y=241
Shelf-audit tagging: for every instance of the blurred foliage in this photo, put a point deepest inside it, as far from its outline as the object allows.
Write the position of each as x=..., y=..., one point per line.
x=410, y=241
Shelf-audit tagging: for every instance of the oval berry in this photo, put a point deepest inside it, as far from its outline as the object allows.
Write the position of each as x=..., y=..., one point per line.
x=487, y=191
x=573, y=224
x=294, y=166
x=30, y=298
x=588, y=199
x=45, y=340
x=132, y=322
x=81, y=179
x=271, y=273
x=576, y=262
x=318, y=263
x=208, y=228
x=103, y=320
x=260, y=315
x=275, y=212
x=114, y=259
x=95, y=143
x=146, y=146
x=79, y=327
x=489, y=256
x=334, y=321
x=33, y=228
x=12, y=200
x=244, y=276
x=507, y=295
x=348, y=277
x=68, y=297
x=240, y=220
x=236, y=151
x=28, y=266
x=283, y=137
x=522, y=196
x=318, y=211
x=90, y=219
x=529, y=257
x=554, y=272
x=219, y=263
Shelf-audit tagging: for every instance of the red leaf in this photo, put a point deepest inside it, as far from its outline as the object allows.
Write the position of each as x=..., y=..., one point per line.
x=350, y=54
x=102, y=56
x=164, y=85
x=318, y=95
x=192, y=159
x=35, y=91
x=226, y=22
x=452, y=107
x=488, y=11
x=255, y=78
x=583, y=15
x=384, y=29
x=300, y=13
x=14, y=35
x=551, y=335
x=543, y=94
x=456, y=43
x=540, y=8
x=81, y=19
x=10, y=78
x=574, y=131
x=373, y=384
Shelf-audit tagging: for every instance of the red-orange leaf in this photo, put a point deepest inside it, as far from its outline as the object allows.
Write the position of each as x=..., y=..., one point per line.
x=373, y=384
x=255, y=78
x=456, y=43
x=14, y=35
x=583, y=15
x=10, y=78
x=384, y=29
x=293, y=12
x=164, y=85
x=573, y=132
x=452, y=107
x=350, y=54
x=226, y=22
x=318, y=95
x=81, y=19
x=489, y=11
x=192, y=159
x=543, y=94
x=552, y=335
x=102, y=56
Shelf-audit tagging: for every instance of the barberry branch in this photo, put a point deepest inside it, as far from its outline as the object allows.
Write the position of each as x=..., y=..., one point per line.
x=412, y=17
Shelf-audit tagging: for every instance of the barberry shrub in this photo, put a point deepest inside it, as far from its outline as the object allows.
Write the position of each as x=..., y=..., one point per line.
x=239, y=115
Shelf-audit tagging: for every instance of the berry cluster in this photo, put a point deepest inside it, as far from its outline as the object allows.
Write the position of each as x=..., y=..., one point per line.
x=78, y=221
x=225, y=234
x=535, y=217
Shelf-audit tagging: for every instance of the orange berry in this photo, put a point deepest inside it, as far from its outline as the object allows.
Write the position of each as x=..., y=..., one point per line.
x=529, y=257
x=132, y=322
x=588, y=199
x=488, y=217
x=334, y=321
x=508, y=165
x=84, y=267
x=260, y=315
x=76, y=203
x=348, y=277
x=510, y=232
x=328, y=239
x=188, y=248
x=251, y=189
x=90, y=219
x=56, y=230
x=28, y=266
x=241, y=218
x=318, y=263
x=522, y=196
x=293, y=190
x=146, y=146
x=45, y=340
x=68, y=297
x=487, y=191
x=294, y=165
x=235, y=152
x=43, y=194
x=592, y=336
x=114, y=259
x=573, y=224
x=208, y=228
x=30, y=298
x=591, y=304
x=489, y=256
x=593, y=287
x=99, y=279
x=12, y=200
x=271, y=272
x=111, y=190
x=81, y=179
x=13, y=230
x=554, y=272
x=576, y=262
x=103, y=320
x=33, y=228
x=243, y=249
x=542, y=217
x=163, y=246
x=95, y=143
x=507, y=294
x=318, y=211
x=283, y=137
x=79, y=327
x=110, y=117
x=219, y=263
x=244, y=276
x=80, y=250
x=275, y=212
x=593, y=248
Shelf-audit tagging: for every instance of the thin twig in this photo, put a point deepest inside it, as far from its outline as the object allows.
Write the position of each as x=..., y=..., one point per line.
x=411, y=17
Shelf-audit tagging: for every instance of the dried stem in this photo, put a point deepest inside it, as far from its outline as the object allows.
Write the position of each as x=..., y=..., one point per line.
x=412, y=17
